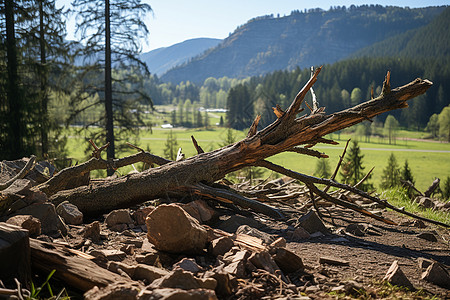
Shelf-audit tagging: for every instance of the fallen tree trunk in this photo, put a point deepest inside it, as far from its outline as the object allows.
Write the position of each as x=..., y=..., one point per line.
x=285, y=134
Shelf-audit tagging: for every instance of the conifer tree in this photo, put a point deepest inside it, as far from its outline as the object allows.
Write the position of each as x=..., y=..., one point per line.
x=406, y=174
x=171, y=146
x=391, y=174
x=352, y=170
x=322, y=168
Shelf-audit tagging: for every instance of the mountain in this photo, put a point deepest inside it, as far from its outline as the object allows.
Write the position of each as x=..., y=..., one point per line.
x=162, y=59
x=432, y=40
x=315, y=37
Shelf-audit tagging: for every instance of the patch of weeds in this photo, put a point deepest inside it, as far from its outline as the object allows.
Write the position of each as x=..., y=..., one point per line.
x=35, y=292
x=399, y=198
x=387, y=290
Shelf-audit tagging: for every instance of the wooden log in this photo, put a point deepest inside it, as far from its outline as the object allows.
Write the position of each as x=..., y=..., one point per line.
x=282, y=135
x=14, y=255
x=75, y=270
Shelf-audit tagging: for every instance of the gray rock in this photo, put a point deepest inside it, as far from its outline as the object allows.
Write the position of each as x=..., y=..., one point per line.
x=333, y=261
x=183, y=280
x=172, y=229
x=288, y=261
x=119, y=290
x=118, y=216
x=231, y=223
x=70, y=213
x=429, y=236
x=30, y=223
x=220, y=246
x=311, y=223
x=425, y=202
x=179, y=294
x=51, y=223
x=188, y=264
x=298, y=234
x=200, y=210
x=92, y=231
x=248, y=230
x=396, y=276
x=437, y=274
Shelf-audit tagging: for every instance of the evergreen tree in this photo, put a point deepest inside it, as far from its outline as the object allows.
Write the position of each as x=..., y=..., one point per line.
x=390, y=128
x=352, y=168
x=322, y=168
x=206, y=120
x=446, y=189
x=391, y=174
x=229, y=138
x=221, y=121
x=199, y=119
x=110, y=31
x=406, y=174
x=444, y=123
x=171, y=146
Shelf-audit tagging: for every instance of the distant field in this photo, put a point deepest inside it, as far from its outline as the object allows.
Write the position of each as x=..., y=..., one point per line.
x=426, y=159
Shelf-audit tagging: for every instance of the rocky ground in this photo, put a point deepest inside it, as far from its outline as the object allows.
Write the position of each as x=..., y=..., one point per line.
x=201, y=249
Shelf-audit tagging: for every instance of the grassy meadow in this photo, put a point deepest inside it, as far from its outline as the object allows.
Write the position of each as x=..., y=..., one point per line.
x=427, y=159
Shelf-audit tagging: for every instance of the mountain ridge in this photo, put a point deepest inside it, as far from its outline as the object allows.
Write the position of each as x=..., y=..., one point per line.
x=266, y=44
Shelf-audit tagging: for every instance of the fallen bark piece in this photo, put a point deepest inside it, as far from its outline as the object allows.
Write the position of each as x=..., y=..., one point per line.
x=179, y=294
x=235, y=262
x=141, y=214
x=248, y=230
x=396, y=276
x=288, y=261
x=30, y=223
x=333, y=261
x=200, y=210
x=138, y=272
x=70, y=213
x=74, y=270
x=188, y=264
x=109, y=254
x=172, y=229
x=437, y=274
x=14, y=255
x=92, y=231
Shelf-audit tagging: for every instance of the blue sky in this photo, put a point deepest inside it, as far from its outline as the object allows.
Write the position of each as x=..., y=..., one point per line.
x=174, y=21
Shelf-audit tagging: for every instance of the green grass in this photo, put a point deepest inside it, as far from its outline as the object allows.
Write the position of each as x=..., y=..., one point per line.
x=425, y=166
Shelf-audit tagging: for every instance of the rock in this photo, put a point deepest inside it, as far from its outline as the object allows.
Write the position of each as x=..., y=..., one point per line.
x=263, y=260
x=200, y=210
x=179, y=294
x=231, y=223
x=183, y=280
x=118, y=216
x=311, y=223
x=278, y=243
x=298, y=234
x=30, y=223
x=353, y=288
x=188, y=264
x=288, y=261
x=396, y=276
x=423, y=263
x=437, y=274
x=225, y=283
x=70, y=213
x=138, y=272
x=123, y=291
x=220, y=246
x=92, y=231
x=333, y=261
x=356, y=229
x=141, y=214
x=235, y=261
x=51, y=223
x=248, y=230
x=172, y=229
x=112, y=254
x=429, y=236
x=425, y=202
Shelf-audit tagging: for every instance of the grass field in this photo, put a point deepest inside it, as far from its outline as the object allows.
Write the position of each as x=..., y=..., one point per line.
x=427, y=159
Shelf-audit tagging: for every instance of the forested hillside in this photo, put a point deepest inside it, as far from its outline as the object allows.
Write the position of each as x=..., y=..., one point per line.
x=269, y=43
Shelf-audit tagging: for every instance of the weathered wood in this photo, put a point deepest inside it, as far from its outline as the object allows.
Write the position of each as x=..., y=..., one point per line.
x=73, y=269
x=282, y=135
x=14, y=255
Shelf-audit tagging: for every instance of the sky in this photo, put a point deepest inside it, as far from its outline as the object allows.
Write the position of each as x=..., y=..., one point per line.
x=174, y=21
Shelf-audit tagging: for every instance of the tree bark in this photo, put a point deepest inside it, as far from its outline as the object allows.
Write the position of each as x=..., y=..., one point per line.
x=287, y=132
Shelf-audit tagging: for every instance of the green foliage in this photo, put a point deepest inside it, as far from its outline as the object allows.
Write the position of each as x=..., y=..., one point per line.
x=352, y=168
x=171, y=146
x=391, y=174
x=433, y=126
x=390, y=127
x=406, y=173
x=239, y=113
x=322, y=168
x=446, y=189
x=444, y=123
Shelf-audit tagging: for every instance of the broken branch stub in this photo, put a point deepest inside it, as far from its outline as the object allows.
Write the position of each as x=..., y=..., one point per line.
x=282, y=135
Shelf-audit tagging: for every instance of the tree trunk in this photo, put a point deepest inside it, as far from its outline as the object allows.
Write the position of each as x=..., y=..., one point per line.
x=43, y=77
x=108, y=89
x=284, y=134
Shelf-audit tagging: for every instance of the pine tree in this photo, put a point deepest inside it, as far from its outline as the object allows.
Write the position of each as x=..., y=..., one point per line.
x=352, y=168
x=406, y=174
x=110, y=31
x=446, y=189
x=171, y=146
x=391, y=174
x=322, y=168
